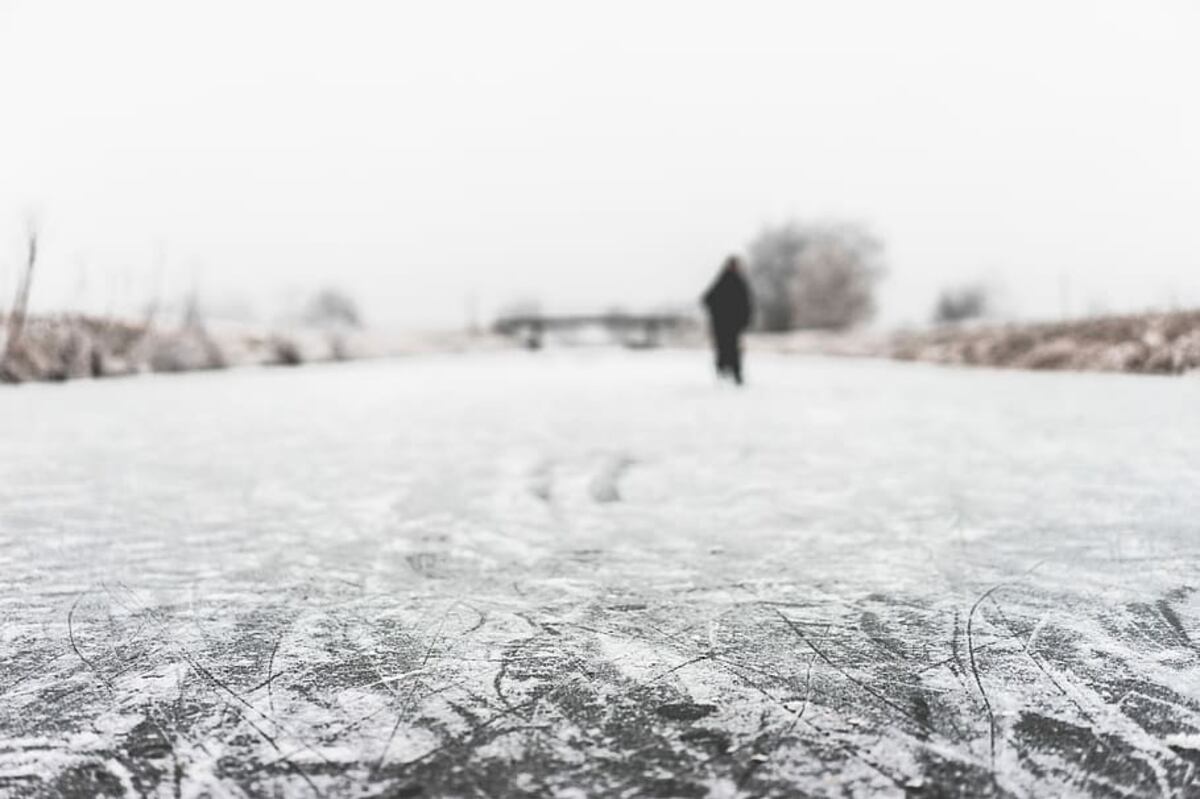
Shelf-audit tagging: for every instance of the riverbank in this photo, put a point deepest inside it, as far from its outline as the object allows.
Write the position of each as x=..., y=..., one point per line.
x=1161, y=343
x=1152, y=343
x=69, y=347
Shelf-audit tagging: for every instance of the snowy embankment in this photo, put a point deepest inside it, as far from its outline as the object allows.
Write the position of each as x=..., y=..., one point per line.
x=68, y=347
x=1159, y=343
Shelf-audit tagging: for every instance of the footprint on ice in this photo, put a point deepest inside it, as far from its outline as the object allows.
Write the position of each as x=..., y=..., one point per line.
x=605, y=486
x=685, y=711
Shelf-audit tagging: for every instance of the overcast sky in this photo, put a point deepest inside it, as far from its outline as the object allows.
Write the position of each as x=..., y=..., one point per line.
x=597, y=154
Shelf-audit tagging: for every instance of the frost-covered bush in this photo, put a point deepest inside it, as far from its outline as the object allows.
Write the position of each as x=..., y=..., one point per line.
x=814, y=276
x=961, y=303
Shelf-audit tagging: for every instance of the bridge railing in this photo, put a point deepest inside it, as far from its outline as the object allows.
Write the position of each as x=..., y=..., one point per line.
x=632, y=330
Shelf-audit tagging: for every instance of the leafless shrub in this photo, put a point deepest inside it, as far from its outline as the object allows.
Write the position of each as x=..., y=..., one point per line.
x=331, y=308
x=184, y=351
x=284, y=352
x=961, y=303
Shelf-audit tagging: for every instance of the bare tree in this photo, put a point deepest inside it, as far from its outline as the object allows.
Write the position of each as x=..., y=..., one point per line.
x=815, y=276
x=332, y=307
x=959, y=303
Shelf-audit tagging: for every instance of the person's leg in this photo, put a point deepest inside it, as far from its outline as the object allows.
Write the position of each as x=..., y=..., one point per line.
x=718, y=356
x=720, y=351
x=735, y=359
x=727, y=347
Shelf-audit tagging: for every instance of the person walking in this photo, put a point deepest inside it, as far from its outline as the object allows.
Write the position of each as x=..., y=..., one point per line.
x=730, y=306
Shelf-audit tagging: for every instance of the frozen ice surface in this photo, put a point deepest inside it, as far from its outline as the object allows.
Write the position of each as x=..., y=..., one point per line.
x=599, y=573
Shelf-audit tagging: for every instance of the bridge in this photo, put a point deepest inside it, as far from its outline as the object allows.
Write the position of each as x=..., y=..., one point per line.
x=638, y=331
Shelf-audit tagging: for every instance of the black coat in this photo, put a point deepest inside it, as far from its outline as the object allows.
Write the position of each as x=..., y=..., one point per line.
x=728, y=302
